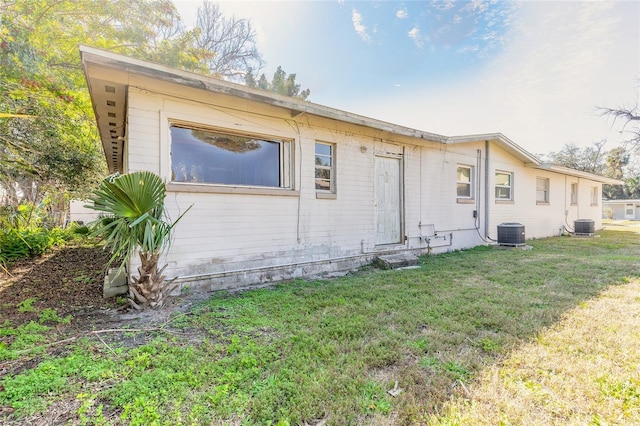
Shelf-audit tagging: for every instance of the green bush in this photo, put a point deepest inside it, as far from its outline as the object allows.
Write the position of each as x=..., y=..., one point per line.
x=12, y=246
x=25, y=216
x=79, y=229
x=18, y=243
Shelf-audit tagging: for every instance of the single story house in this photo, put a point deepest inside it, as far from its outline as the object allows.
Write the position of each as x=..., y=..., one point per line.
x=284, y=188
x=621, y=209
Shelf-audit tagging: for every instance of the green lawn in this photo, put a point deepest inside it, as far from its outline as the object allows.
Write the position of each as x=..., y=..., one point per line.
x=458, y=335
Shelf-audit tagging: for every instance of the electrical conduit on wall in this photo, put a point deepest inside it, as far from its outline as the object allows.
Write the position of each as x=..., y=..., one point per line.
x=486, y=189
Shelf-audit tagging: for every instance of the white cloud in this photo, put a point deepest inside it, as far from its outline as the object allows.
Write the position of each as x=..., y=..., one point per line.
x=469, y=49
x=561, y=61
x=477, y=5
x=415, y=35
x=443, y=5
x=360, y=28
x=402, y=14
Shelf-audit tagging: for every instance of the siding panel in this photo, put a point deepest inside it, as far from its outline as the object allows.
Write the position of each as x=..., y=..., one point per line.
x=227, y=232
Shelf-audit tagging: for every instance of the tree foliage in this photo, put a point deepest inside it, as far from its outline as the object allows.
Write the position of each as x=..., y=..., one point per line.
x=228, y=44
x=280, y=83
x=48, y=139
x=631, y=122
x=625, y=160
x=589, y=159
x=616, y=163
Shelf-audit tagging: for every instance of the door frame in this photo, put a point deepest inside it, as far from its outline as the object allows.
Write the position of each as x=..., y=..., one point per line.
x=401, y=209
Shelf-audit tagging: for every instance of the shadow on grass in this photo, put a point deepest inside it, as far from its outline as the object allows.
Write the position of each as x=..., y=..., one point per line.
x=328, y=351
x=431, y=329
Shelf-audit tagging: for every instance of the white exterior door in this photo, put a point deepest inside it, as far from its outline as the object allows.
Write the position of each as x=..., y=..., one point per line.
x=387, y=200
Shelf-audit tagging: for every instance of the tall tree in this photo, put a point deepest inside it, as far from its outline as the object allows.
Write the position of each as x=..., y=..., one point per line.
x=48, y=139
x=626, y=158
x=589, y=159
x=280, y=83
x=615, y=163
x=227, y=44
x=631, y=121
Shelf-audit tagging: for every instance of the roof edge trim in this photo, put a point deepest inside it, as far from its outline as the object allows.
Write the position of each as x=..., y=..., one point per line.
x=91, y=55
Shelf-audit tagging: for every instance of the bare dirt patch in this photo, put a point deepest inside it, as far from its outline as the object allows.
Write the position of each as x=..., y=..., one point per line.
x=68, y=280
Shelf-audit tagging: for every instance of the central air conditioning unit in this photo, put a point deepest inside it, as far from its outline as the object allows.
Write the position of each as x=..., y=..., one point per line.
x=511, y=234
x=584, y=227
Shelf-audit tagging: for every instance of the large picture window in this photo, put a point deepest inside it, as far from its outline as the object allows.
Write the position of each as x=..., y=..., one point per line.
x=214, y=157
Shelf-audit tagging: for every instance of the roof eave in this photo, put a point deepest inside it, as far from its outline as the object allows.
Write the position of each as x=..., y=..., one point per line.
x=579, y=173
x=216, y=85
x=500, y=139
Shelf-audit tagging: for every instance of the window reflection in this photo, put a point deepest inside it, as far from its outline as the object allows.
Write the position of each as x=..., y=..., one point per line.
x=204, y=156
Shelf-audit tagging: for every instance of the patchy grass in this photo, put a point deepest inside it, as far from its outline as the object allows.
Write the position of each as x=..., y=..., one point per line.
x=470, y=335
x=581, y=371
x=621, y=225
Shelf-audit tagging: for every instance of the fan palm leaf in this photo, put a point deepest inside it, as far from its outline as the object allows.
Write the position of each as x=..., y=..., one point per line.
x=133, y=213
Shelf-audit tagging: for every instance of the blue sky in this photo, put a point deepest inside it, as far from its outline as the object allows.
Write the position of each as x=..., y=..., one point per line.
x=534, y=70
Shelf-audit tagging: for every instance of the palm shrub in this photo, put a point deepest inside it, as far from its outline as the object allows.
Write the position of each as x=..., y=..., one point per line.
x=133, y=220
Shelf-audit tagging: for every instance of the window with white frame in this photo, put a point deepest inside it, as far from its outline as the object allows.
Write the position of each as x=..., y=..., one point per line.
x=325, y=175
x=200, y=155
x=595, y=196
x=574, y=193
x=504, y=185
x=542, y=190
x=629, y=210
x=464, y=181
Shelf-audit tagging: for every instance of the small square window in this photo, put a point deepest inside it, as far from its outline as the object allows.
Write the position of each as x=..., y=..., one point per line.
x=464, y=181
x=504, y=186
x=325, y=175
x=629, y=210
x=542, y=190
x=595, y=196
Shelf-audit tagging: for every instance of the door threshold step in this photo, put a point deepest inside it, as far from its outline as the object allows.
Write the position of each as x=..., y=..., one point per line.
x=395, y=261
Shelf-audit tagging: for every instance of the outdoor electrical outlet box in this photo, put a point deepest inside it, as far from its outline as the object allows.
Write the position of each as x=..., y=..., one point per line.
x=475, y=213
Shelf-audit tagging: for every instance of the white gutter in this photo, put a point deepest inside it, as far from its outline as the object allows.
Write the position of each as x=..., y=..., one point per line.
x=578, y=173
x=153, y=70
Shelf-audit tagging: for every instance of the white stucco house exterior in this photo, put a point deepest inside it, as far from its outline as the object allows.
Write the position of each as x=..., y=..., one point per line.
x=79, y=213
x=621, y=209
x=284, y=188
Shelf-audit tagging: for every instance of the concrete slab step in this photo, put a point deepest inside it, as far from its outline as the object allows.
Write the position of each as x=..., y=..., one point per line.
x=399, y=260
